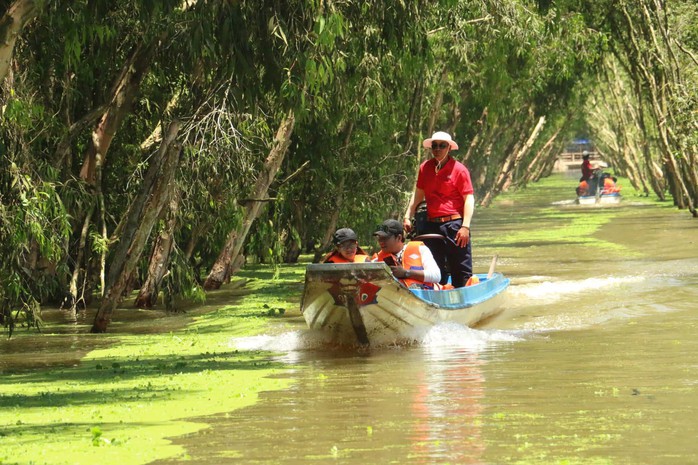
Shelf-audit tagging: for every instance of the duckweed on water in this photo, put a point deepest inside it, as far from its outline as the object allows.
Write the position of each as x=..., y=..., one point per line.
x=121, y=403
x=575, y=227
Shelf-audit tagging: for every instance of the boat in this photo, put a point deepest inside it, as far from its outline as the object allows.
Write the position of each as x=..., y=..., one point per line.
x=600, y=189
x=363, y=304
x=612, y=198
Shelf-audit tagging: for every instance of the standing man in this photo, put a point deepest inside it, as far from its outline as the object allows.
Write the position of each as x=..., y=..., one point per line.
x=446, y=186
x=587, y=168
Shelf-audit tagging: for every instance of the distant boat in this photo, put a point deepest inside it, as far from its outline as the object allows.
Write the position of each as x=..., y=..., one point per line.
x=603, y=185
x=362, y=303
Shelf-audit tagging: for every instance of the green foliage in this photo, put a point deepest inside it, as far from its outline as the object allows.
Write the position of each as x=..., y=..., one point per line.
x=366, y=81
x=34, y=225
x=33, y=231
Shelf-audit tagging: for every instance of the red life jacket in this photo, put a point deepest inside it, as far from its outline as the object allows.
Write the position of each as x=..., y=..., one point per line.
x=411, y=260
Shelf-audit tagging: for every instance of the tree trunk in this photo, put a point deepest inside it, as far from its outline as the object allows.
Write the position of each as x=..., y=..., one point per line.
x=652, y=56
x=505, y=176
x=220, y=271
x=143, y=213
x=523, y=151
x=544, y=154
x=73, y=287
x=11, y=24
x=159, y=260
x=438, y=102
x=123, y=94
x=482, y=125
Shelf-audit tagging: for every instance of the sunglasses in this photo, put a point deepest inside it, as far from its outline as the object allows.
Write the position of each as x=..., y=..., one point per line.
x=437, y=146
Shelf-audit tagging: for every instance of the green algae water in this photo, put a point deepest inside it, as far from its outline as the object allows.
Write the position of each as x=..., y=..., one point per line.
x=594, y=360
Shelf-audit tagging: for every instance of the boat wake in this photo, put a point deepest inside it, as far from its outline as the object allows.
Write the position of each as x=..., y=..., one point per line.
x=528, y=293
x=284, y=342
x=452, y=335
x=446, y=335
x=576, y=304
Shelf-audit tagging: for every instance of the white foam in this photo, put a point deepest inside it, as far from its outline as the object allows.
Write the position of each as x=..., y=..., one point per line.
x=288, y=341
x=444, y=335
x=454, y=335
x=550, y=291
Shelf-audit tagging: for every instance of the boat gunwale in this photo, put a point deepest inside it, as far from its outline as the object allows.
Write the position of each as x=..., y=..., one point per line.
x=492, y=286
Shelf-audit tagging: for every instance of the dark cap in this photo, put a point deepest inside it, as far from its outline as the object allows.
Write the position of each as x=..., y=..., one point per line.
x=344, y=234
x=389, y=228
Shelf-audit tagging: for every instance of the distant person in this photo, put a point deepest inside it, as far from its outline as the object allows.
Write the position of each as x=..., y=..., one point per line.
x=346, y=248
x=587, y=168
x=446, y=186
x=412, y=263
x=610, y=185
x=583, y=189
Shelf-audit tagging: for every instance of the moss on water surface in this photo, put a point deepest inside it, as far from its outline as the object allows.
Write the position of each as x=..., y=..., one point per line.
x=548, y=218
x=121, y=403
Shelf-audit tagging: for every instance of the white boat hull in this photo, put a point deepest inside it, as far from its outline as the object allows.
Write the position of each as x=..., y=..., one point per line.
x=364, y=304
x=611, y=199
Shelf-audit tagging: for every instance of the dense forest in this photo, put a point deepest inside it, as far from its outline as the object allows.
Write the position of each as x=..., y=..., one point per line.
x=157, y=145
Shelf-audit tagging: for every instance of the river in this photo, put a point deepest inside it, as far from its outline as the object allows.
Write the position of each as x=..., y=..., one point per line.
x=593, y=361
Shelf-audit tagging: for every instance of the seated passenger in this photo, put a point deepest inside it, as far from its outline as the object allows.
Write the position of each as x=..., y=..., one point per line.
x=583, y=189
x=346, y=248
x=609, y=185
x=412, y=263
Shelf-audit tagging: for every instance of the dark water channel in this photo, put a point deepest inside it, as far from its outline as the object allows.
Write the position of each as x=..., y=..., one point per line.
x=594, y=361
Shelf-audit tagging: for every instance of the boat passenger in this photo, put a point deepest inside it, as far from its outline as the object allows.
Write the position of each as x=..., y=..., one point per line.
x=446, y=186
x=346, y=248
x=412, y=263
x=583, y=189
x=610, y=186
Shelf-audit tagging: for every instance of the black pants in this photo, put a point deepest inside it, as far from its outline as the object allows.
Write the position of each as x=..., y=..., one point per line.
x=458, y=261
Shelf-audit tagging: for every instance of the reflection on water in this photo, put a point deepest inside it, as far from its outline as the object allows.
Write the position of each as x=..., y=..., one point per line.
x=418, y=404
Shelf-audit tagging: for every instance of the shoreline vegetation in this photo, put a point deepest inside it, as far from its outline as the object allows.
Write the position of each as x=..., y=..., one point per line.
x=161, y=144
x=122, y=402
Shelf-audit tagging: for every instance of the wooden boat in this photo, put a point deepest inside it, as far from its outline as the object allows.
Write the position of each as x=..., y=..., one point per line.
x=362, y=303
x=603, y=199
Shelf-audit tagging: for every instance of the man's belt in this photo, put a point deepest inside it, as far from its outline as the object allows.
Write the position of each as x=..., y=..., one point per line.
x=443, y=219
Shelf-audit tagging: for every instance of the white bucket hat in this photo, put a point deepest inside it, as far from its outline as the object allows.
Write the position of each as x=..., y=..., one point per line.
x=440, y=135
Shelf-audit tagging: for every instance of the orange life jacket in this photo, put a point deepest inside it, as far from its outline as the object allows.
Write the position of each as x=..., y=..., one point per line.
x=411, y=260
x=335, y=257
x=583, y=188
x=609, y=187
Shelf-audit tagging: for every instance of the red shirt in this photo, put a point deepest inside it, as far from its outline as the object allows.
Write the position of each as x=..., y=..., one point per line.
x=444, y=191
x=586, y=169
